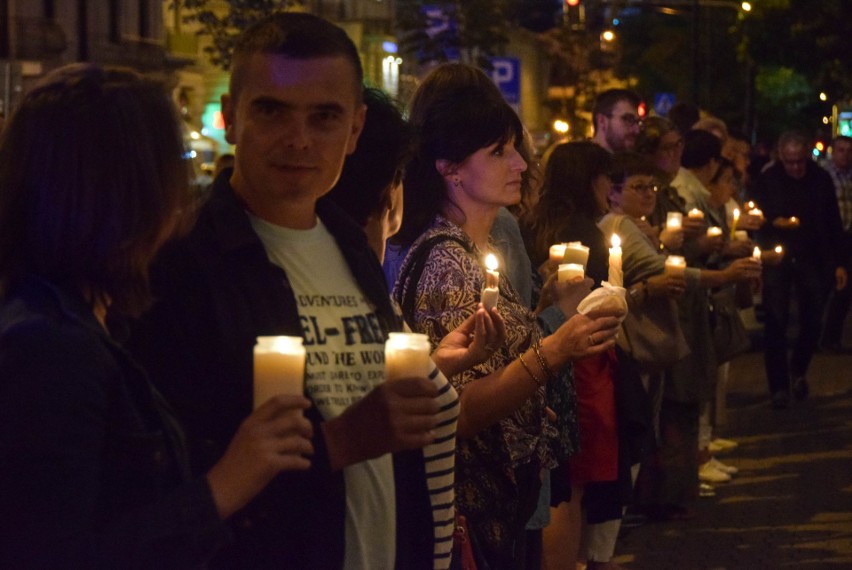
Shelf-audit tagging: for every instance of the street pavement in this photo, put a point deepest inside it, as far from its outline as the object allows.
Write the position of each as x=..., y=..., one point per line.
x=790, y=506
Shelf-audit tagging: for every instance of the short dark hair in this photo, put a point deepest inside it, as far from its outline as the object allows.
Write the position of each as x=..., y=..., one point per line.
x=652, y=132
x=455, y=111
x=570, y=170
x=293, y=34
x=684, y=115
x=93, y=175
x=606, y=101
x=725, y=164
x=627, y=164
x=377, y=165
x=699, y=148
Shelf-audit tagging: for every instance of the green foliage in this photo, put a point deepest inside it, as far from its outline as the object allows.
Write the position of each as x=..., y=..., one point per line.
x=223, y=20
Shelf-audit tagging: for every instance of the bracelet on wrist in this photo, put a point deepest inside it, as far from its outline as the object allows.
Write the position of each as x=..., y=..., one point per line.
x=534, y=378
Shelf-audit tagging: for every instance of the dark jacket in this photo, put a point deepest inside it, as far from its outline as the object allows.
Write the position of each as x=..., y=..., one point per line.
x=93, y=471
x=817, y=241
x=217, y=291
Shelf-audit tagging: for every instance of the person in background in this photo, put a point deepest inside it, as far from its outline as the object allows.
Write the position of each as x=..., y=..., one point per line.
x=95, y=469
x=799, y=203
x=840, y=169
x=616, y=119
x=269, y=256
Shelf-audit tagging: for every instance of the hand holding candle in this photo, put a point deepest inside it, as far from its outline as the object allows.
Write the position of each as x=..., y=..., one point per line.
x=714, y=231
x=491, y=291
x=557, y=252
x=570, y=271
x=675, y=264
x=576, y=253
x=279, y=367
x=696, y=213
x=616, y=275
x=674, y=220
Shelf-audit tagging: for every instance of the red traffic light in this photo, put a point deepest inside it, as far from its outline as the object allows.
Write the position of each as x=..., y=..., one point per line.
x=572, y=2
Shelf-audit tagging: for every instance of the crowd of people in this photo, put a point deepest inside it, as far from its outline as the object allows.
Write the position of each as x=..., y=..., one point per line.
x=130, y=308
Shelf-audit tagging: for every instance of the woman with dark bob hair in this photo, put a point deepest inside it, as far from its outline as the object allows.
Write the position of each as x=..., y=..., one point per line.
x=469, y=162
x=95, y=473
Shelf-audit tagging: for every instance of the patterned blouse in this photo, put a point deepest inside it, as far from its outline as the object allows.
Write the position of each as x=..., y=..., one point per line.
x=487, y=465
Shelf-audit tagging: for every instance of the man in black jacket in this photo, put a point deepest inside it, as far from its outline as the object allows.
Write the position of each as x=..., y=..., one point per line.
x=268, y=256
x=797, y=198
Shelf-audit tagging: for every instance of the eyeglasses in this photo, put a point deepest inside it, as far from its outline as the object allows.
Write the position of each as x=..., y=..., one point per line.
x=639, y=188
x=628, y=119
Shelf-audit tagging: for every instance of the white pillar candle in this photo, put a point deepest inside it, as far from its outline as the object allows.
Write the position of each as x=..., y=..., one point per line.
x=756, y=253
x=713, y=231
x=616, y=275
x=557, y=252
x=756, y=212
x=740, y=235
x=491, y=291
x=778, y=249
x=734, y=222
x=279, y=367
x=407, y=355
x=675, y=264
x=568, y=271
x=794, y=220
x=576, y=252
x=696, y=213
x=674, y=220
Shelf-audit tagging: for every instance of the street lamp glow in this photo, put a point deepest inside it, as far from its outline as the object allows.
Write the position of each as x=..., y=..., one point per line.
x=825, y=120
x=823, y=96
x=560, y=126
x=746, y=6
x=608, y=36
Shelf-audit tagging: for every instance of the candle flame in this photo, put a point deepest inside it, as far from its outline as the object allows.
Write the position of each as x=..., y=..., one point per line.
x=616, y=241
x=736, y=213
x=491, y=261
x=778, y=249
x=756, y=253
x=750, y=205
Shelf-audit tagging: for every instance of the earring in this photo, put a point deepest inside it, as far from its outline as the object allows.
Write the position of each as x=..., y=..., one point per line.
x=456, y=182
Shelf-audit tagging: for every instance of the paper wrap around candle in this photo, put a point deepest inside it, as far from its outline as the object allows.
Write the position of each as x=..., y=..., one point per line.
x=695, y=213
x=675, y=264
x=616, y=275
x=568, y=271
x=279, y=367
x=407, y=355
x=674, y=220
x=576, y=252
x=734, y=223
x=491, y=291
x=714, y=231
x=557, y=252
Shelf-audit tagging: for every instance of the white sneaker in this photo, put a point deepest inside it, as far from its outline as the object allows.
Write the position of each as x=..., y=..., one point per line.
x=709, y=474
x=729, y=469
x=720, y=445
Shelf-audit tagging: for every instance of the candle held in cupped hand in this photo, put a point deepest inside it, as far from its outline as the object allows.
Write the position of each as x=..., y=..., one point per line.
x=407, y=355
x=675, y=264
x=695, y=213
x=714, y=231
x=674, y=220
x=616, y=275
x=279, y=367
x=576, y=252
x=491, y=291
x=557, y=252
x=568, y=271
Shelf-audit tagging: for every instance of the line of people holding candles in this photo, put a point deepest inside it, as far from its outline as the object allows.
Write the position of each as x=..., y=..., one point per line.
x=304, y=424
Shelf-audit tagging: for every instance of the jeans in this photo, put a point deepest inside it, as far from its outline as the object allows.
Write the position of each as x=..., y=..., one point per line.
x=810, y=284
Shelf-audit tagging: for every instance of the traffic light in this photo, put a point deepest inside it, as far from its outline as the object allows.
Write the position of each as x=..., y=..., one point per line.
x=572, y=2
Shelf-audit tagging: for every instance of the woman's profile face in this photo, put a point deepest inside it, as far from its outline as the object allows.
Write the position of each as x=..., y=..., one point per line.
x=491, y=176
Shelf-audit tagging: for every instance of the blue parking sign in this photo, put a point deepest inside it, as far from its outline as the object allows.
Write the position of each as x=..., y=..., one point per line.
x=663, y=103
x=506, y=74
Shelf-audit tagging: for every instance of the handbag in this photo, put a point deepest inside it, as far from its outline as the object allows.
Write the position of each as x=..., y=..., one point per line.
x=463, y=556
x=730, y=337
x=651, y=334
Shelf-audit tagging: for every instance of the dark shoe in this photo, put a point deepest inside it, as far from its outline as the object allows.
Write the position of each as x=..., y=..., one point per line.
x=780, y=401
x=800, y=388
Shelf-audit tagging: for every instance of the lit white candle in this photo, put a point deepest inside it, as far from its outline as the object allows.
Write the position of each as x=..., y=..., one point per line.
x=740, y=235
x=407, y=355
x=794, y=220
x=695, y=213
x=674, y=220
x=576, y=252
x=675, y=264
x=756, y=253
x=713, y=231
x=616, y=275
x=568, y=271
x=778, y=249
x=557, y=252
x=734, y=223
x=491, y=291
x=750, y=205
x=756, y=212
x=279, y=367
